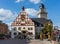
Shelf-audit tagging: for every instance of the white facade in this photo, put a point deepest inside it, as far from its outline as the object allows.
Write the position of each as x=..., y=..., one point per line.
x=26, y=28
x=23, y=23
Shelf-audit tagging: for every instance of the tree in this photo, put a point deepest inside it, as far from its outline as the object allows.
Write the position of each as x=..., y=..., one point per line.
x=47, y=30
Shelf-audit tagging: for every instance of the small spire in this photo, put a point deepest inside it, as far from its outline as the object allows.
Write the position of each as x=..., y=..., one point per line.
x=23, y=8
x=42, y=5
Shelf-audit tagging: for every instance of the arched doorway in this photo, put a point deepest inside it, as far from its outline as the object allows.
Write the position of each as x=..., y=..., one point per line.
x=24, y=34
x=19, y=35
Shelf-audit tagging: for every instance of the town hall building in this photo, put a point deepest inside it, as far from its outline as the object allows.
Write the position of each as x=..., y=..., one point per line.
x=25, y=26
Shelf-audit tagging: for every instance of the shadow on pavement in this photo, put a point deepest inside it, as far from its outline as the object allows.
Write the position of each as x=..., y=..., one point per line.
x=15, y=41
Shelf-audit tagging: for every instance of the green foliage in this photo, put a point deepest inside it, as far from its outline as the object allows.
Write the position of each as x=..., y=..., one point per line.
x=47, y=28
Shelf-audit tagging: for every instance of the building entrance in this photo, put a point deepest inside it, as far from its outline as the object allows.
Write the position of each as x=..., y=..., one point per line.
x=24, y=34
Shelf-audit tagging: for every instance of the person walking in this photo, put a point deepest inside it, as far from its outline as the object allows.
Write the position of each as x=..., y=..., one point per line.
x=58, y=38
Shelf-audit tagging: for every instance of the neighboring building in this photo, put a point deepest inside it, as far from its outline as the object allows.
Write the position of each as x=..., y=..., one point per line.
x=3, y=28
x=56, y=32
x=41, y=21
x=30, y=26
x=23, y=25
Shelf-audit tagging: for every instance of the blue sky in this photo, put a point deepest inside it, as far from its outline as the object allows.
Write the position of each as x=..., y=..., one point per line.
x=9, y=9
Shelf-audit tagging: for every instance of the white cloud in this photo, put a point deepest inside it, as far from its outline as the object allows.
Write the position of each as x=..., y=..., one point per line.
x=6, y=14
x=35, y=1
x=17, y=1
x=31, y=12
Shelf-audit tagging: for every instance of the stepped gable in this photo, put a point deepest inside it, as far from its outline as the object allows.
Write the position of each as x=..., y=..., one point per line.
x=22, y=19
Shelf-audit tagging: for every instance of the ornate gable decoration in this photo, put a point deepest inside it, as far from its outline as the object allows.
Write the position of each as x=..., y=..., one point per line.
x=22, y=20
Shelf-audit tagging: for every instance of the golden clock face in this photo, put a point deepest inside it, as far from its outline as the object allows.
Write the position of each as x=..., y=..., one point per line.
x=22, y=16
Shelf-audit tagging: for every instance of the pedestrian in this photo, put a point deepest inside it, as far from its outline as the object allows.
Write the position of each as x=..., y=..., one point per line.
x=59, y=38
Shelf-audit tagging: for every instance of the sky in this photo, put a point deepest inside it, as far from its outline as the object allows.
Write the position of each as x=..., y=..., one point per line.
x=9, y=9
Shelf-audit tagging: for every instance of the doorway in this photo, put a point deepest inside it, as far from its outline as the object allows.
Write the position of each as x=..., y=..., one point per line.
x=24, y=34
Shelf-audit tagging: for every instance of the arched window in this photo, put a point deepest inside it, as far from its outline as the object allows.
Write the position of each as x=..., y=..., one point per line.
x=15, y=33
x=30, y=33
x=19, y=28
x=28, y=28
x=31, y=28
